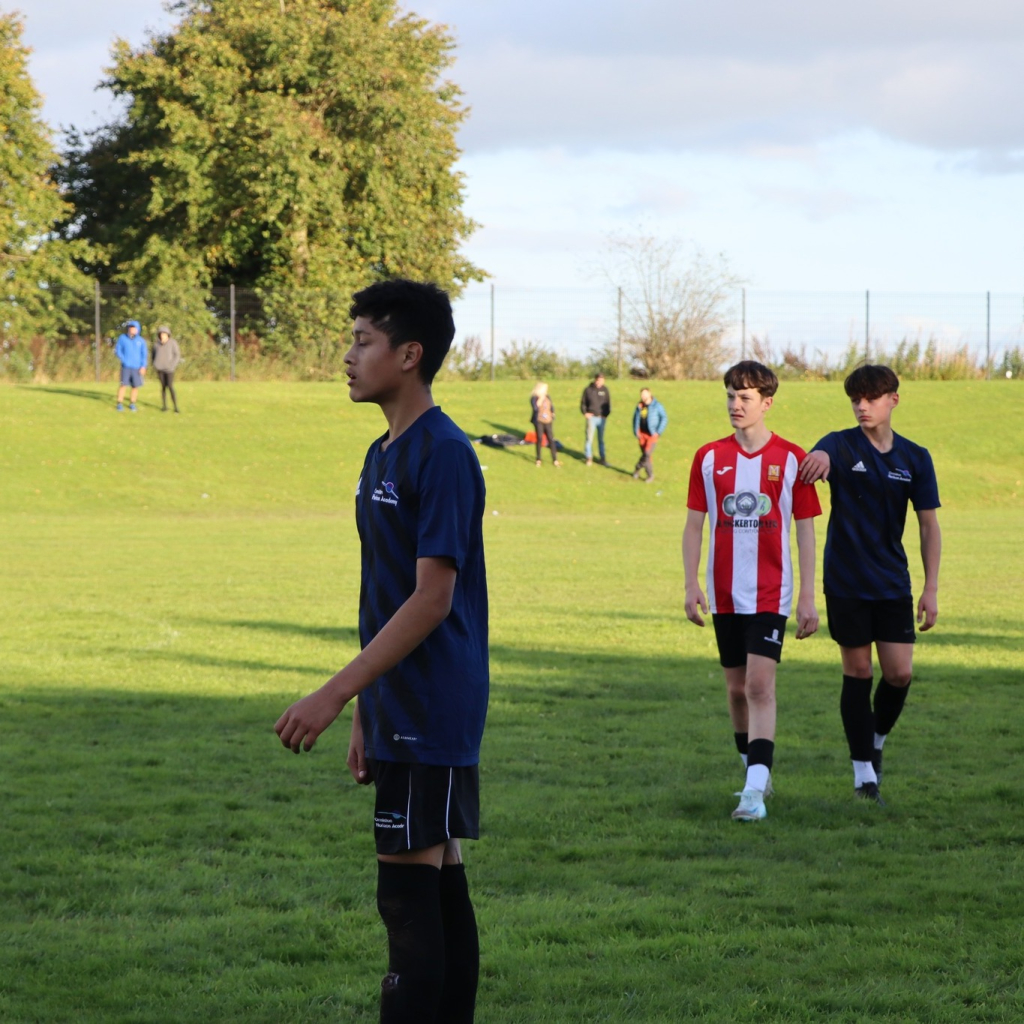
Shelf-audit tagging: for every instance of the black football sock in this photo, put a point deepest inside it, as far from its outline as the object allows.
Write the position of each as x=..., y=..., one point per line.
x=741, y=742
x=889, y=701
x=761, y=752
x=858, y=721
x=759, y=764
x=461, y=949
x=409, y=902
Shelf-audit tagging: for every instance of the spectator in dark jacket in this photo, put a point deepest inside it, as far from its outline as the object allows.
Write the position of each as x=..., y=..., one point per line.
x=166, y=356
x=543, y=420
x=596, y=406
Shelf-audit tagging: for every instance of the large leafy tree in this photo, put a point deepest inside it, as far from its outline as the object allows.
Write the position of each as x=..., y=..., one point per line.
x=38, y=280
x=294, y=146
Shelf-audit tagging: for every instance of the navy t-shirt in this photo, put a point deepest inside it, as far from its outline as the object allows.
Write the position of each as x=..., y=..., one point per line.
x=864, y=556
x=423, y=497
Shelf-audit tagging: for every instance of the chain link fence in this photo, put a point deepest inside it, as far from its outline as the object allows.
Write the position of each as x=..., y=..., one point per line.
x=235, y=332
x=823, y=326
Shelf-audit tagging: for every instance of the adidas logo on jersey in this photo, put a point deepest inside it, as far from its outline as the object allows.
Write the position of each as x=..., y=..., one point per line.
x=860, y=468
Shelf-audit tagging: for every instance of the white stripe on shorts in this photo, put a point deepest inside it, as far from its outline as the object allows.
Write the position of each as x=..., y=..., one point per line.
x=448, y=805
x=408, y=812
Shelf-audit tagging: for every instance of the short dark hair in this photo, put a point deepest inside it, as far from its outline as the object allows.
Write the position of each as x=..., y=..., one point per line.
x=871, y=382
x=410, y=311
x=751, y=374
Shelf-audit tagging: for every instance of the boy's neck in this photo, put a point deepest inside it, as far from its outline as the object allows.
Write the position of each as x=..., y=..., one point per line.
x=752, y=438
x=404, y=409
x=880, y=437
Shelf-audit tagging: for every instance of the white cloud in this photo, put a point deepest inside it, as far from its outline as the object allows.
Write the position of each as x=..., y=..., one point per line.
x=935, y=95
x=815, y=204
x=944, y=74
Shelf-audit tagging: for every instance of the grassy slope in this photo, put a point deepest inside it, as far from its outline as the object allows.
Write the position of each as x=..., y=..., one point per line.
x=163, y=860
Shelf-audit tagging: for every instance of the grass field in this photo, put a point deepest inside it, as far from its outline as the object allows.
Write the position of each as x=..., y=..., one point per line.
x=170, y=583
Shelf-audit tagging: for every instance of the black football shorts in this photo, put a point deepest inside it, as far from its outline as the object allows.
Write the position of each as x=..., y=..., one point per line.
x=740, y=635
x=422, y=805
x=856, y=623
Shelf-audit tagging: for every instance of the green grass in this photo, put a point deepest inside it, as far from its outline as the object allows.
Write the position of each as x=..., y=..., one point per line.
x=170, y=584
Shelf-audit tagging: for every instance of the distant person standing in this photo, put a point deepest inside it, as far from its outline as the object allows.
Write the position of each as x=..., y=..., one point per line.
x=649, y=423
x=543, y=420
x=596, y=406
x=166, y=356
x=131, y=353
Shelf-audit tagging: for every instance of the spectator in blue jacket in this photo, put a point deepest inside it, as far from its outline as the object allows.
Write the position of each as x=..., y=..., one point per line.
x=131, y=351
x=649, y=423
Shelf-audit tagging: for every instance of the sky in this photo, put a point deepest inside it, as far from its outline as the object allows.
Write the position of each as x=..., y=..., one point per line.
x=819, y=146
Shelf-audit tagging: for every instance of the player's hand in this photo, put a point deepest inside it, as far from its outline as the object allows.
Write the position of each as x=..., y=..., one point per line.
x=356, y=759
x=695, y=603
x=806, y=618
x=927, y=610
x=142, y=370
x=306, y=719
x=815, y=467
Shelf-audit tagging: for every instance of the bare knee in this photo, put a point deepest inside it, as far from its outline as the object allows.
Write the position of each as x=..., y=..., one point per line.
x=857, y=662
x=900, y=678
x=760, y=688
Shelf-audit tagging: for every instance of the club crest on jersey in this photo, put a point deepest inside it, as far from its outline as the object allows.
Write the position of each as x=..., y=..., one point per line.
x=386, y=494
x=746, y=504
x=774, y=472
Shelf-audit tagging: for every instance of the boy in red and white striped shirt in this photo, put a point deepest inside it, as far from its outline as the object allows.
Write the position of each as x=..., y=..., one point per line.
x=747, y=485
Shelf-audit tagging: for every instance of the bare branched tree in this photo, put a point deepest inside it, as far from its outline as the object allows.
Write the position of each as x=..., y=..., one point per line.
x=676, y=306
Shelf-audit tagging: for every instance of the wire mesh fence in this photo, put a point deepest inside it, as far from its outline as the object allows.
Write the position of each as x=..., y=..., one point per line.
x=577, y=322
x=231, y=332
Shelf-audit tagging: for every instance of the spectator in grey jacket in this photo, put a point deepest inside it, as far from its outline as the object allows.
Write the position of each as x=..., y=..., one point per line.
x=166, y=356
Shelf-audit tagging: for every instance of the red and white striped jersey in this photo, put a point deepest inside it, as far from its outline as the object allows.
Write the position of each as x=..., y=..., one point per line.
x=750, y=500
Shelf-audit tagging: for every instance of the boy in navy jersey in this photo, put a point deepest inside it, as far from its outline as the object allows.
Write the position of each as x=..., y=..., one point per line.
x=747, y=485
x=422, y=675
x=873, y=474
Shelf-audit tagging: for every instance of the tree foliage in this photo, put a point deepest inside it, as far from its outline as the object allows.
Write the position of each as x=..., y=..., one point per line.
x=290, y=146
x=676, y=309
x=38, y=279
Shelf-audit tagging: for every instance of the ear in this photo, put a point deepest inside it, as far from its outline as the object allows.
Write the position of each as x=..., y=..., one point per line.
x=769, y=402
x=411, y=355
x=895, y=399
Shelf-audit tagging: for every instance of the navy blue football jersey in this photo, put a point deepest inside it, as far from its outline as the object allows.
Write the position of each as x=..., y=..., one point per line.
x=864, y=555
x=423, y=497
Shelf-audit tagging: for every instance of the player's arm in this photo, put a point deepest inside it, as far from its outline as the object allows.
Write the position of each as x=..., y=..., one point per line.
x=931, y=554
x=422, y=612
x=816, y=466
x=356, y=759
x=806, y=613
x=693, y=532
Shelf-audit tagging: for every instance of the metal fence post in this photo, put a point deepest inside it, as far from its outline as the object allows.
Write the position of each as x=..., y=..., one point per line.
x=96, y=303
x=492, y=330
x=743, y=332
x=988, y=335
x=867, y=326
x=231, y=292
x=618, y=340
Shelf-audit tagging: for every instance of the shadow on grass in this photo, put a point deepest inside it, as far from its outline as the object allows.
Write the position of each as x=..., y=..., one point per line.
x=336, y=634
x=571, y=453
x=97, y=396
x=236, y=664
